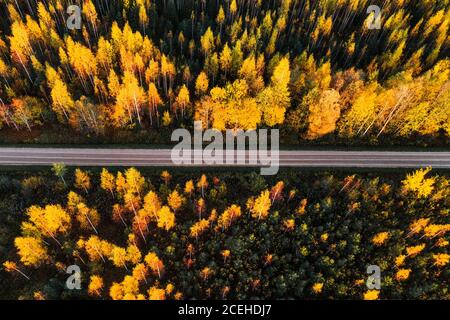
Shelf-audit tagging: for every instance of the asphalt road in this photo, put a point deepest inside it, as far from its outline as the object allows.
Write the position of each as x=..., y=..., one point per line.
x=162, y=157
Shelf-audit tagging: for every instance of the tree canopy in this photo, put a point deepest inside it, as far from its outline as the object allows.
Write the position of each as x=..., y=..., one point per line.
x=138, y=235
x=313, y=68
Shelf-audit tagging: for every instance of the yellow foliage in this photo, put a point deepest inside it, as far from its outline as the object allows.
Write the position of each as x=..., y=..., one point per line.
x=226, y=253
x=400, y=260
x=434, y=230
x=202, y=184
x=153, y=98
x=116, y=291
x=200, y=207
x=132, y=201
x=82, y=180
x=359, y=282
x=129, y=101
x=9, y=266
x=155, y=264
x=199, y=228
x=183, y=98
x=441, y=259
x=231, y=214
x=363, y=109
x=152, y=205
x=202, y=83
x=51, y=220
x=169, y=288
x=120, y=182
x=107, y=181
x=166, y=218
x=324, y=111
x=165, y=176
x=178, y=296
x=156, y=294
x=95, y=285
x=302, y=208
x=207, y=41
x=175, y=200
x=380, y=238
x=275, y=99
x=81, y=58
x=96, y=248
x=73, y=200
x=229, y=108
x=118, y=256
x=225, y=58
x=442, y=243
x=289, y=224
x=206, y=272
x=38, y=295
x=189, y=187
x=140, y=272
x=418, y=225
x=31, y=250
x=88, y=218
x=166, y=120
x=402, y=274
x=260, y=207
x=128, y=289
x=414, y=250
x=371, y=295
x=417, y=183
x=317, y=288
x=134, y=255
x=134, y=180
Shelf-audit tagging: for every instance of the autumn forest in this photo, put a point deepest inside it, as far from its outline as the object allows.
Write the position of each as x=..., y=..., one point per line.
x=124, y=74
x=137, y=68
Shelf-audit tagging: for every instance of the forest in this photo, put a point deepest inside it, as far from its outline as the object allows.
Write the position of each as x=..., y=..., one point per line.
x=129, y=72
x=147, y=234
x=137, y=69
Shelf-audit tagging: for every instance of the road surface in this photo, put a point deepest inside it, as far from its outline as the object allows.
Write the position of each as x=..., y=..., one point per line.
x=162, y=157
